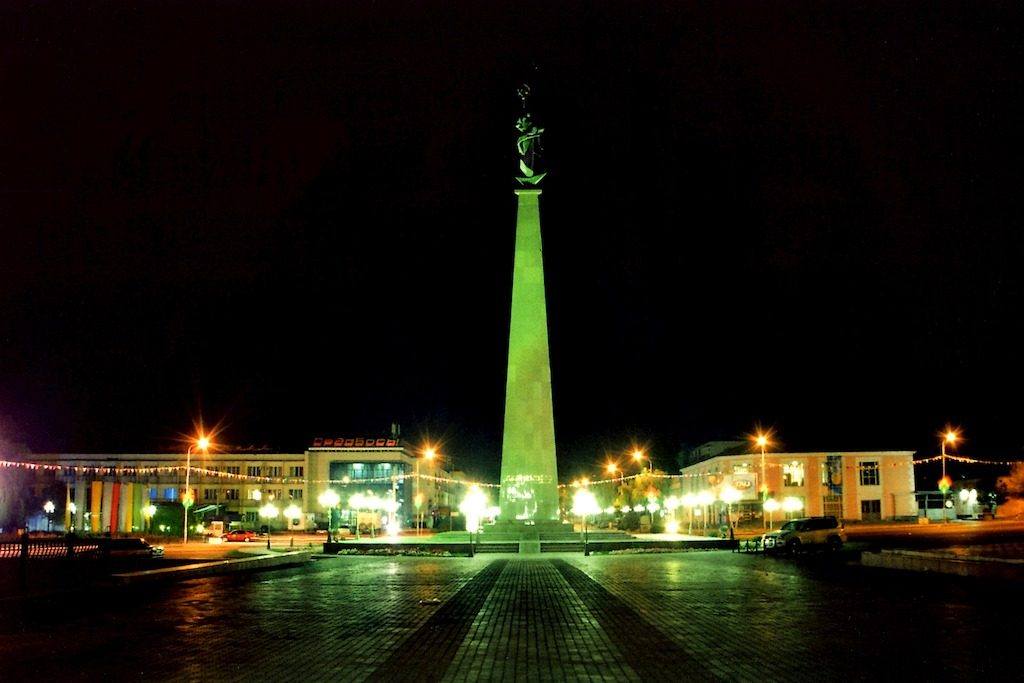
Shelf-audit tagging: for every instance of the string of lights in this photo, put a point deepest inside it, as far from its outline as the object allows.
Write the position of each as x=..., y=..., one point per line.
x=129, y=471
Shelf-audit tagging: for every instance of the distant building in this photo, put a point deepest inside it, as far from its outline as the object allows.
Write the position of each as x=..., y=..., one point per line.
x=710, y=449
x=110, y=491
x=869, y=485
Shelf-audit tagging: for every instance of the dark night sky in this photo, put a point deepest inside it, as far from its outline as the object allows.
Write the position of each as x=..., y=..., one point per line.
x=298, y=218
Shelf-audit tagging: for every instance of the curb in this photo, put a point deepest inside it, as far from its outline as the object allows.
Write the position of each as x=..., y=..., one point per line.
x=215, y=568
x=941, y=563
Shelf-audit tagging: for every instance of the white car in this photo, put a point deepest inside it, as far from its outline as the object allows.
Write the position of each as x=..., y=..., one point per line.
x=798, y=534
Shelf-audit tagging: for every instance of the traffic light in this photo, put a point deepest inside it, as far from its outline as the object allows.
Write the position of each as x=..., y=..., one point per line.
x=945, y=483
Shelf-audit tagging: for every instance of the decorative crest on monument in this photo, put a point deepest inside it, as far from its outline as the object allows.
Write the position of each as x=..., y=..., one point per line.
x=528, y=142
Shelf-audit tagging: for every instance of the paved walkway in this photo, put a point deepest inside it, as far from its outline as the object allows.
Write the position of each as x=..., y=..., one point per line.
x=697, y=615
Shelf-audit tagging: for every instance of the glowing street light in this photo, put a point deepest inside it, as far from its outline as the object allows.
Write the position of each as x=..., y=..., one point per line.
x=292, y=512
x=269, y=512
x=704, y=500
x=147, y=513
x=584, y=503
x=639, y=456
x=951, y=436
x=729, y=496
x=429, y=453
x=473, y=506
x=329, y=500
x=761, y=439
x=48, y=508
x=792, y=504
x=203, y=444
x=771, y=506
x=689, y=501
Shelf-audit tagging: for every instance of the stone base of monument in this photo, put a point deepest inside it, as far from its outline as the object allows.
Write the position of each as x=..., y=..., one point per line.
x=545, y=535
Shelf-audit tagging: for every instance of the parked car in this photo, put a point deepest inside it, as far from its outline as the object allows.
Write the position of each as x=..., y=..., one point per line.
x=240, y=535
x=798, y=534
x=130, y=547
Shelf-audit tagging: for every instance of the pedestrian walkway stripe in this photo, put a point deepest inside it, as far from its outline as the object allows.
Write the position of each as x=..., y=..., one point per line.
x=648, y=651
x=428, y=651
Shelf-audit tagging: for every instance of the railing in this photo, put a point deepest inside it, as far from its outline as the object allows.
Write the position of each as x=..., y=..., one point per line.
x=749, y=545
x=33, y=548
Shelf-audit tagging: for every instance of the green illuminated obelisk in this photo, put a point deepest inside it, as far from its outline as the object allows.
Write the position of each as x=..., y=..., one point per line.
x=529, y=475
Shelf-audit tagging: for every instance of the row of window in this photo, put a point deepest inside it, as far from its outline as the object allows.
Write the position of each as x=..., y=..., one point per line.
x=793, y=474
x=260, y=470
x=255, y=494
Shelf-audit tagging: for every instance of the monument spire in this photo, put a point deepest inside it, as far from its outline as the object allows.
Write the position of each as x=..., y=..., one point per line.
x=529, y=474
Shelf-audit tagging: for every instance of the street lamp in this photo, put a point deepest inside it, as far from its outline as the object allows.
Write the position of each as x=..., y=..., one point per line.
x=792, y=504
x=705, y=499
x=269, y=512
x=762, y=442
x=372, y=503
x=689, y=501
x=671, y=503
x=203, y=444
x=949, y=437
x=429, y=453
x=355, y=502
x=147, y=512
x=329, y=500
x=771, y=506
x=473, y=506
x=729, y=495
x=292, y=512
x=584, y=503
x=639, y=455
x=48, y=508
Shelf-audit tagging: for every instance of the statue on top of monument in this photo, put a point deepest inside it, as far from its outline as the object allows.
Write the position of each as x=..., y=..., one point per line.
x=528, y=142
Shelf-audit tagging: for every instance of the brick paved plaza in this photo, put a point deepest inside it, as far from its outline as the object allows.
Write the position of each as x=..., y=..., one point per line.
x=696, y=615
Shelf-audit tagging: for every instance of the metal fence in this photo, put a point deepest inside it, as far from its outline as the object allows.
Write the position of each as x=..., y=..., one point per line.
x=33, y=548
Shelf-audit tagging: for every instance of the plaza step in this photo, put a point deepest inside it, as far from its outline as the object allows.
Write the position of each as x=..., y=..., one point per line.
x=561, y=547
x=497, y=547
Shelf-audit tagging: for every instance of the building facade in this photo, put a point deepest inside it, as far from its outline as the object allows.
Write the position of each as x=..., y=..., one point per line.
x=113, y=492
x=869, y=485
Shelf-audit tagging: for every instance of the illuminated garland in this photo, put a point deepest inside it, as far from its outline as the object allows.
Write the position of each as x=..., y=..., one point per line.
x=129, y=471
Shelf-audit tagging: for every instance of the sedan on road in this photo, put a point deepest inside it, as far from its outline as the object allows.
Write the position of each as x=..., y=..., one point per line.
x=240, y=535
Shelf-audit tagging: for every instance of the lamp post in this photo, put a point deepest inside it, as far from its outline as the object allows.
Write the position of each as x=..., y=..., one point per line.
x=473, y=506
x=583, y=504
x=950, y=437
x=689, y=501
x=269, y=512
x=729, y=495
x=762, y=441
x=771, y=506
x=705, y=500
x=147, y=513
x=429, y=453
x=373, y=504
x=671, y=503
x=48, y=508
x=203, y=444
x=639, y=456
x=329, y=500
x=792, y=504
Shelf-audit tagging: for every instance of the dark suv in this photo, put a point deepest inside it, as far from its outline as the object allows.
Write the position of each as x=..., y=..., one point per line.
x=797, y=534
